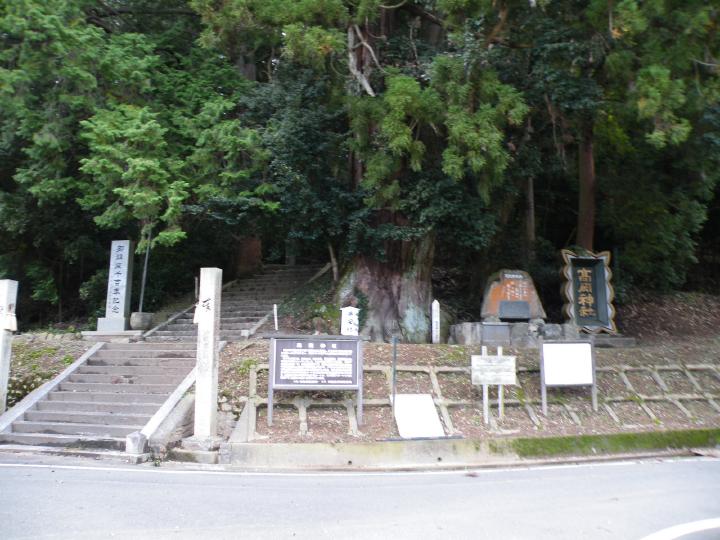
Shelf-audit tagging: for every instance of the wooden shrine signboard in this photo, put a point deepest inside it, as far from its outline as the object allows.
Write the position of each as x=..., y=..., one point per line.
x=588, y=292
x=316, y=363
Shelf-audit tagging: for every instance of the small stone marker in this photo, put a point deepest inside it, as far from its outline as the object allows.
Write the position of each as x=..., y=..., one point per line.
x=350, y=321
x=567, y=364
x=511, y=295
x=487, y=370
x=436, y=321
x=207, y=317
x=8, y=325
x=117, y=305
x=417, y=417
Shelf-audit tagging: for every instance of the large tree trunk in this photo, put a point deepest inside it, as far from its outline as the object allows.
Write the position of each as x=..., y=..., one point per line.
x=586, y=203
x=530, y=220
x=248, y=256
x=398, y=291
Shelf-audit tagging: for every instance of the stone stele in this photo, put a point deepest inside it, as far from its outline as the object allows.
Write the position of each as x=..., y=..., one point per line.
x=510, y=295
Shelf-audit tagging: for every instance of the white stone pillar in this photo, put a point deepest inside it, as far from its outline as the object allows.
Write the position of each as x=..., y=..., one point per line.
x=117, y=306
x=350, y=321
x=207, y=317
x=8, y=324
x=435, y=321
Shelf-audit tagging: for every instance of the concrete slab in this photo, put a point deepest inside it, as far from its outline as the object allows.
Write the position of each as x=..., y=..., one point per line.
x=417, y=417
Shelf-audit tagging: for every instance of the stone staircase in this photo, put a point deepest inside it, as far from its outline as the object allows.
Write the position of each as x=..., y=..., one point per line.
x=114, y=393
x=244, y=304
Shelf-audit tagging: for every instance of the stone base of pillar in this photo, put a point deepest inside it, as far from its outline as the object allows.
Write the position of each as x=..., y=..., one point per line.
x=209, y=444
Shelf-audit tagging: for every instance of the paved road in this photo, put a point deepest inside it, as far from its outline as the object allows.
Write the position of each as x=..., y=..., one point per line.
x=606, y=501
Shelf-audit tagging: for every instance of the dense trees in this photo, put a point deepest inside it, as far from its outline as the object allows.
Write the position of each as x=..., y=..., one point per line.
x=394, y=137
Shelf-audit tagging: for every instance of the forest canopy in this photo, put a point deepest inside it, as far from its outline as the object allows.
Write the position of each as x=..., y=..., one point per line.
x=422, y=144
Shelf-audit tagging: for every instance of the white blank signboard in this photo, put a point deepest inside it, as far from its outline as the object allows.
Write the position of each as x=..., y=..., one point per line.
x=416, y=416
x=567, y=364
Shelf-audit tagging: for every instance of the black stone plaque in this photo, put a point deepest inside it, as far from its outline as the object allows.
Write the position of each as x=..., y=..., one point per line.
x=514, y=310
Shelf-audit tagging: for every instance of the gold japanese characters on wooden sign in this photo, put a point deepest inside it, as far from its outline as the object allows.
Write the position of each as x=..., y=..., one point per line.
x=588, y=292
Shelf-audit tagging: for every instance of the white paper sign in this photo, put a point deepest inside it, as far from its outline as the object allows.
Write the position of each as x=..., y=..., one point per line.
x=350, y=321
x=568, y=364
x=493, y=369
x=8, y=298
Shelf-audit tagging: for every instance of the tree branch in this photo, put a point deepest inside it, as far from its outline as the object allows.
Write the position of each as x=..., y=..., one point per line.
x=352, y=64
x=367, y=46
x=420, y=12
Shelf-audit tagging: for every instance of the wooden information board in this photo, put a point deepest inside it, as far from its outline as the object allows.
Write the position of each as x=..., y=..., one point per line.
x=315, y=363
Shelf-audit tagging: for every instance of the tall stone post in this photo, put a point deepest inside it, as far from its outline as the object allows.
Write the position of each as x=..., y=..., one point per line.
x=117, y=306
x=435, y=321
x=8, y=324
x=207, y=317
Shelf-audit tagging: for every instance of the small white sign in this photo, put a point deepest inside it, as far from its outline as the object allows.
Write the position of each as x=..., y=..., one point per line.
x=8, y=299
x=568, y=364
x=350, y=321
x=493, y=370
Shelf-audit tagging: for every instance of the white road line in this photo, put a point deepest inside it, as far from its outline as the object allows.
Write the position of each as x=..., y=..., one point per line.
x=349, y=474
x=686, y=528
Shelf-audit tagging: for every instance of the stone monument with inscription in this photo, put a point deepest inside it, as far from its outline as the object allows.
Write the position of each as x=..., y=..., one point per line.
x=510, y=295
x=8, y=325
x=117, y=306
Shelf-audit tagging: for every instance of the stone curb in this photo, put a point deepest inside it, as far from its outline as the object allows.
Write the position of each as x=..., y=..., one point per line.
x=432, y=454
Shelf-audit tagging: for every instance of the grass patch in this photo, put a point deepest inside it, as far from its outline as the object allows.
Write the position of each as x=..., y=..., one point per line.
x=614, y=443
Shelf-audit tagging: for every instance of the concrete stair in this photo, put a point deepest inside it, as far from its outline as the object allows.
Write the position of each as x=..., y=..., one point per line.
x=114, y=393
x=243, y=305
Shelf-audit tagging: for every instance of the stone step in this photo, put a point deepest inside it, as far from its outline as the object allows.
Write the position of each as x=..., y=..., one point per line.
x=109, y=397
x=178, y=339
x=59, y=428
x=74, y=441
x=119, y=388
x=125, y=379
x=154, y=353
x=178, y=363
x=98, y=407
x=142, y=347
x=80, y=417
x=223, y=324
x=174, y=372
x=243, y=319
x=170, y=333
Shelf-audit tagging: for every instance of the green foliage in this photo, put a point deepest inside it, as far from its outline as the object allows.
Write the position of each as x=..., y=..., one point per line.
x=133, y=177
x=364, y=126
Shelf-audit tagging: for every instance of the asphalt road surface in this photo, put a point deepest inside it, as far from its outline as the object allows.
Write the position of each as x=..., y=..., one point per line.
x=607, y=501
